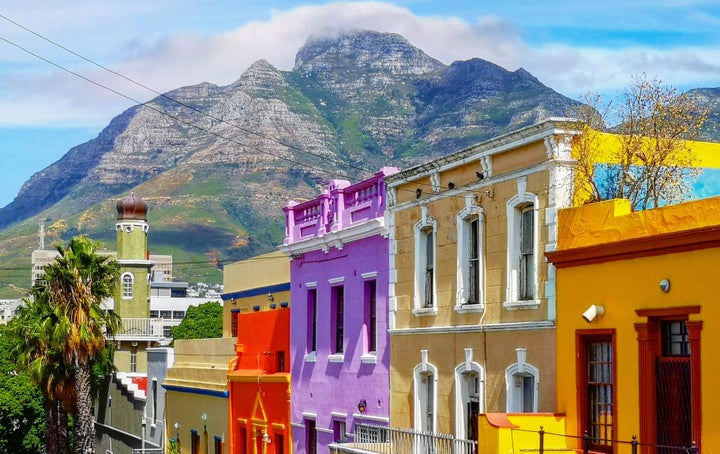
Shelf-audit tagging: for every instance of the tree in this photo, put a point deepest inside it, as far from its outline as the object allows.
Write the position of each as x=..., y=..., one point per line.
x=200, y=322
x=22, y=417
x=64, y=333
x=652, y=163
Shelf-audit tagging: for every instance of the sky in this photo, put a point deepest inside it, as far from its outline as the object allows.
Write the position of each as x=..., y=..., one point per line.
x=65, y=65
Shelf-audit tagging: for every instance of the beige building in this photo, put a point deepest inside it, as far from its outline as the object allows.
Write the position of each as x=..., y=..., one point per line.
x=472, y=303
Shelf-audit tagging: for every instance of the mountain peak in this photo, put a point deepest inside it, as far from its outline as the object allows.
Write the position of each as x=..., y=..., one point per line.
x=371, y=50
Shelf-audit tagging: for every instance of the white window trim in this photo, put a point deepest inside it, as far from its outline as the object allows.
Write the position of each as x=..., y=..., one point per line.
x=524, y=369
x=424, y=368
x=132, y=285
x=463, y=220
x=514, y=206
x=421, y=227
x=336, y=358
x=460, y=407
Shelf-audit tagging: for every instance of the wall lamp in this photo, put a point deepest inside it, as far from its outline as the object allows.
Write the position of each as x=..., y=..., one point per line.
x=592, y=312
x=451, y=185
x=479, y=175
x=271, y=297
x=361, y=406
x=418, y=193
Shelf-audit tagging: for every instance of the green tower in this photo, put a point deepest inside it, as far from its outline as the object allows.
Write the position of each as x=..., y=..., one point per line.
x=132, y=298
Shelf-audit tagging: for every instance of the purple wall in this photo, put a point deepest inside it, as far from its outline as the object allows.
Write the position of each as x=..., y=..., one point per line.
x=327, y=386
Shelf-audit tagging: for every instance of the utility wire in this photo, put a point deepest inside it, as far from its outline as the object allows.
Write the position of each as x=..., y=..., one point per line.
x=193, y=108
x=169, y=98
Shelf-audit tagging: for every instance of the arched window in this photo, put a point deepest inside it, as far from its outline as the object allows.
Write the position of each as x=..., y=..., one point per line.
x=522, y=249
x=127, y=285
x=425, y=376
x=521, y=385
x=470, y=258
x=469, y=399
x=425, y=264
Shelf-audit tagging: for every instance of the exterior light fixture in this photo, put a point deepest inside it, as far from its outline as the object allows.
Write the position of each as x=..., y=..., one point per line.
x=271, y=297
x=361, y=406
x=592, y=312
x=418, y=193
x=479, y=175
x=665, y=285
x=451, y=185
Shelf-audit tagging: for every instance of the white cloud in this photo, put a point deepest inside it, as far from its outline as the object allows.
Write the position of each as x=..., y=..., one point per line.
x=165, y=59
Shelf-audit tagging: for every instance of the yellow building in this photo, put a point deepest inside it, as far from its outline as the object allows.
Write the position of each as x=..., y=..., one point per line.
x=638, y=318
x=258, y=283
x=472, y=303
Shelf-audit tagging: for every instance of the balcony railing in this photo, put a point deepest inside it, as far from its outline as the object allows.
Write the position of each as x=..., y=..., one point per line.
x=388, y=440
x=145, y=328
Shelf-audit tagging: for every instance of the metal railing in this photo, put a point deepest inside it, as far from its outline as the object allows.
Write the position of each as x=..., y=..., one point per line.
x=145, y=328
x=388, y=440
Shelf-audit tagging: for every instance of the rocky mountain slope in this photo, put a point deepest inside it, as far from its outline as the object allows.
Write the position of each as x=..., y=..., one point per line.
x=216, y=164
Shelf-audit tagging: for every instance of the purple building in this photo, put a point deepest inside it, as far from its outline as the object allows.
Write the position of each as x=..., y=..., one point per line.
x=340, y=357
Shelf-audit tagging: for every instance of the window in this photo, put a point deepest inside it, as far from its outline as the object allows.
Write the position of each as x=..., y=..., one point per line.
x=154, y=314
x=339, y=434
x=178, y=315
x=167, y=315
x=469, y=379
x=522, y=384
x=133, y=359
x=596, y=400
x=675, y=338
x=154, y=399
x=425, y=389
x=280, y=361
x=526, y=279
x=338, y=314
x=194, y=442
x=234, y=322
x=371, y=316
x=310, y=436
x=218, y=445
x=469, y=257
x=279, y=443
x=312, y=320
x=522, y=250
x=127, y=285
x=425, y=259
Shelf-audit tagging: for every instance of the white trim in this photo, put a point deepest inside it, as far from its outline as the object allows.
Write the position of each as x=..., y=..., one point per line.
x=369, y=358
x=297, y=425
x=423, y=228
x=309, y=415
x=336, y=280
x=369, y=275
x=493, y=327
x=514, y=207
x=311, y=284
x=429, y=370
x=311, y=357
x=384, y=419
x=463, y=221
x=461, y=398
x=123, y=286
x=323, y=430
x=336, y=239
x=337, y=414
x=511, y=395
x=336, y=358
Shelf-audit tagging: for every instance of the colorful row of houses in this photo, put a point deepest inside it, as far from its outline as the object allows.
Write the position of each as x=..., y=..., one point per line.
x=465, y=296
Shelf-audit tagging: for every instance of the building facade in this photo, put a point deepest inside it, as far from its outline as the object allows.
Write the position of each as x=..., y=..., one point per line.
x=339, y=343
x=472, y=301
x=259, y=383
x=637, y=313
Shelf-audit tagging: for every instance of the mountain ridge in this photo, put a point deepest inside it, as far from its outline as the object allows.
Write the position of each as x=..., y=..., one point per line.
x=217, y=163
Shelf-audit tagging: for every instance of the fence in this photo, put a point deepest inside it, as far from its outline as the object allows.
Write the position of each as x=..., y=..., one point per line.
x=590, y=443
x=387, y=440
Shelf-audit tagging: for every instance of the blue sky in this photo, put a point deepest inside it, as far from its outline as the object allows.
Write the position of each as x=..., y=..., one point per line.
x=573, y=47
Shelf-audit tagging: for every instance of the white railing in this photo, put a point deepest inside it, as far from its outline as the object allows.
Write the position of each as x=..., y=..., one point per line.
x=388, y=440
x=145, y=328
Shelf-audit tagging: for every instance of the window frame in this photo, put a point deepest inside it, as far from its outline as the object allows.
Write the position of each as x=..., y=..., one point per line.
x=522, y=202
x=128, y=285
x=512, y=398
x=425, y=236
x=429, y=372
x=461, y=397
x=464, y=223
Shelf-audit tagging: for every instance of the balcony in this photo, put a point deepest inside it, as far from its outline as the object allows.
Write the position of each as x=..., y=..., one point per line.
x=145, y=329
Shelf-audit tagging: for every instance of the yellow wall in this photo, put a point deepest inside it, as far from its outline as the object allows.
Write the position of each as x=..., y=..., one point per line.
x=197, y=384
x=622, y=286
x=255, y=273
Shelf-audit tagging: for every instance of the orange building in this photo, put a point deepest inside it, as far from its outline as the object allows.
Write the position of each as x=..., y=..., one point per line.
x=259, y=384
x=637, y=322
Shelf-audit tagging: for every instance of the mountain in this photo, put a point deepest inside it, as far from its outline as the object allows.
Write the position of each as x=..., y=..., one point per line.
x=710, y=99
x=216, y=164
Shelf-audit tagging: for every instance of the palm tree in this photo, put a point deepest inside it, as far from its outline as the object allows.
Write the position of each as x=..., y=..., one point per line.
x=63, y=336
